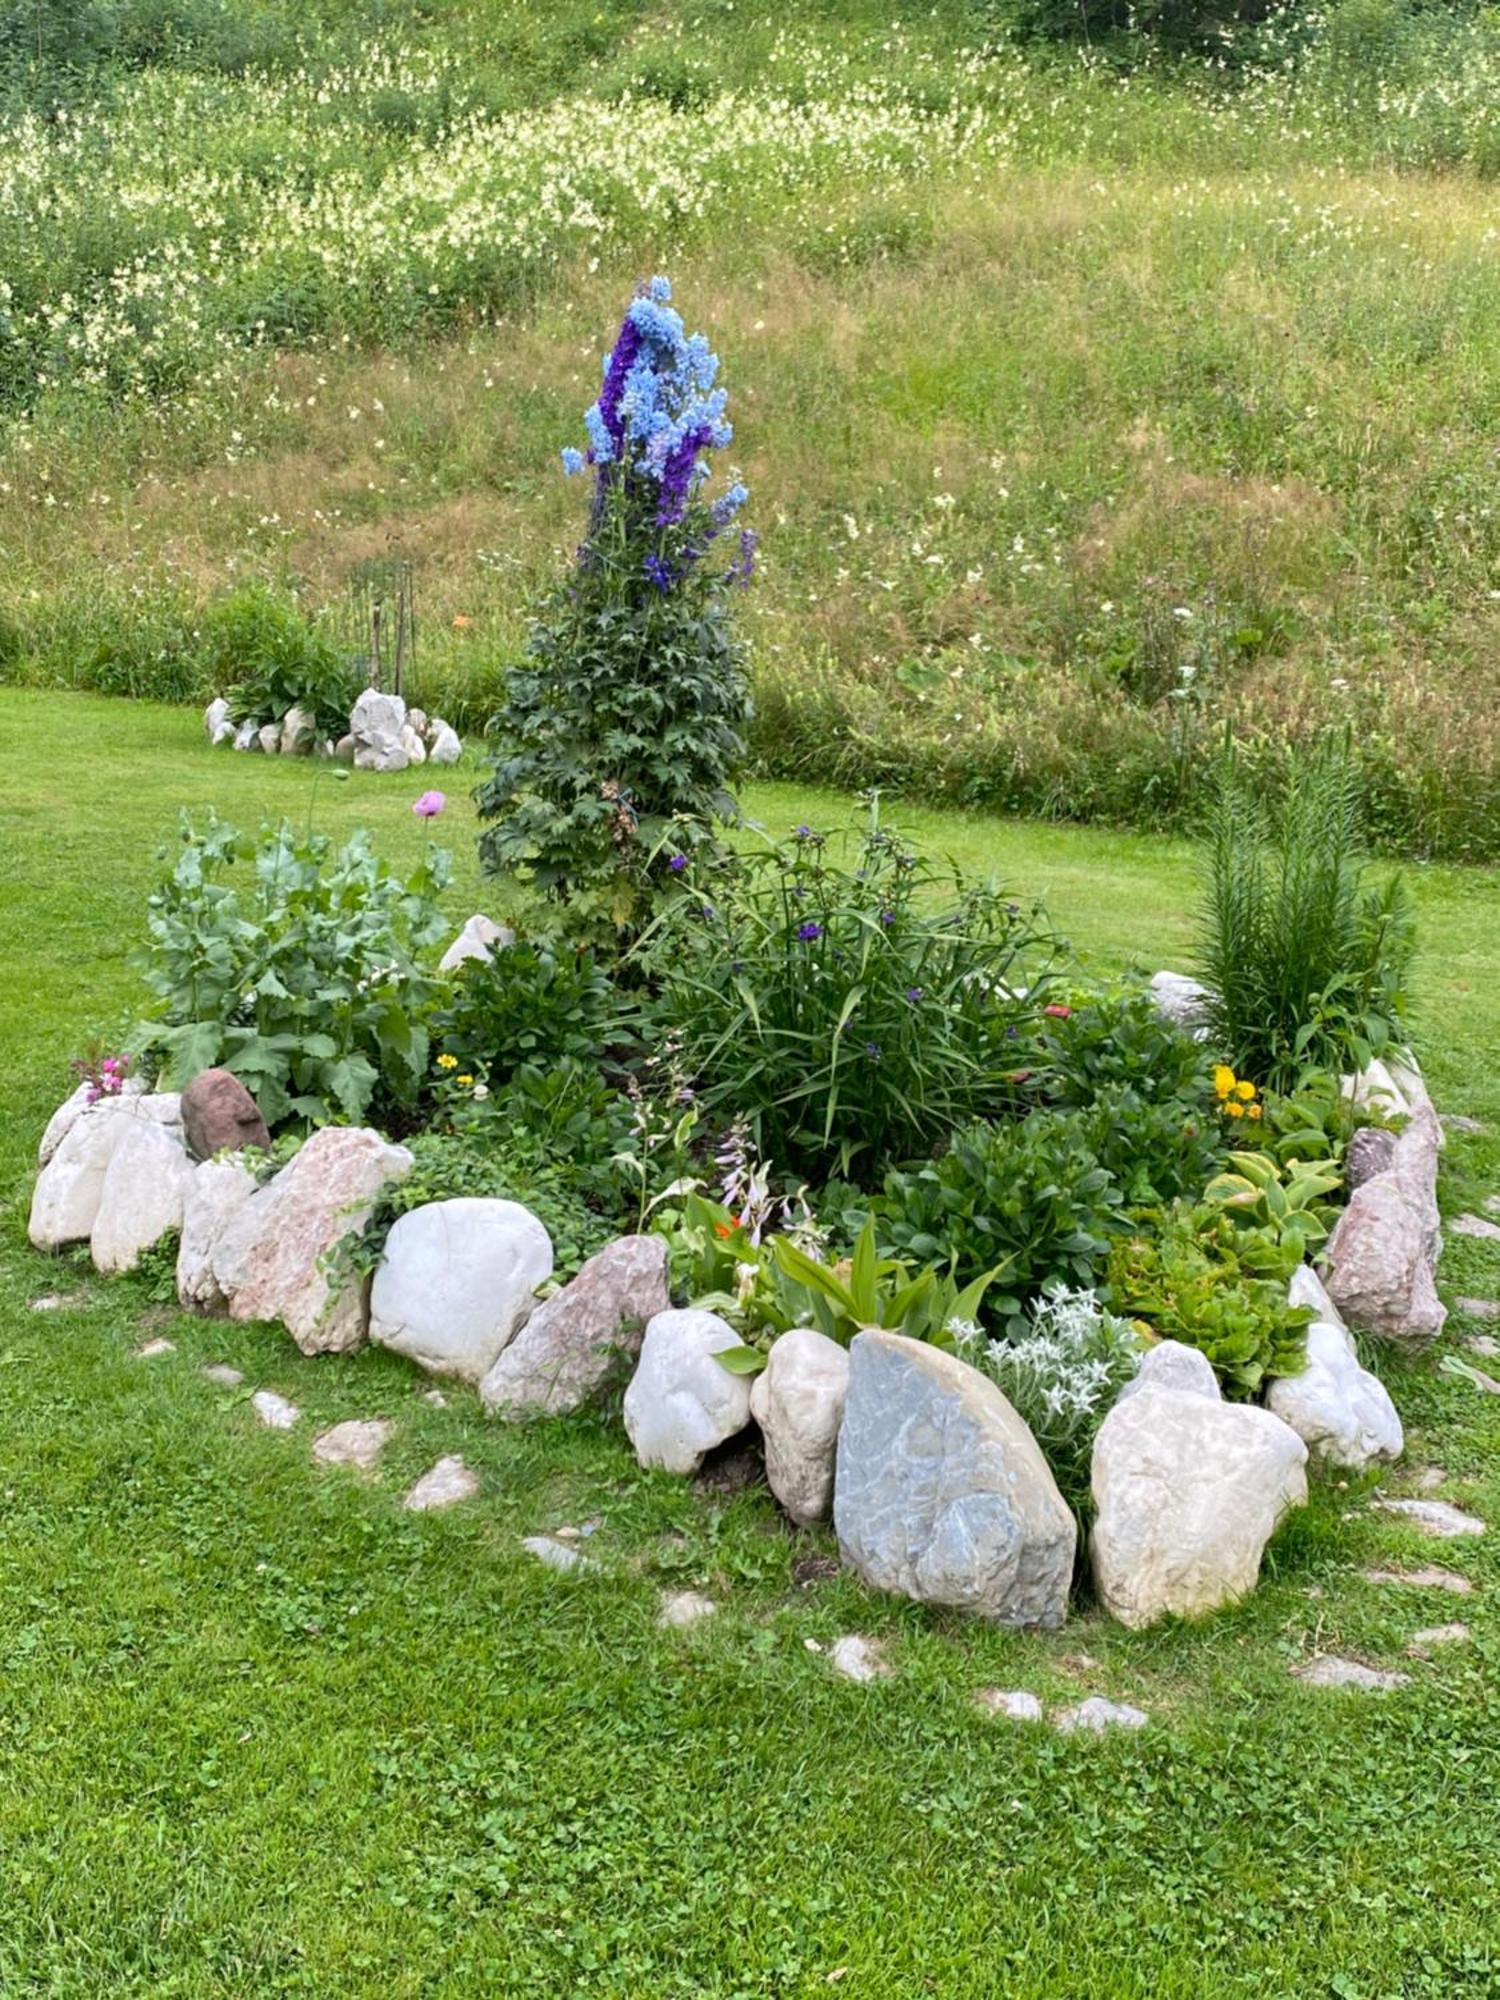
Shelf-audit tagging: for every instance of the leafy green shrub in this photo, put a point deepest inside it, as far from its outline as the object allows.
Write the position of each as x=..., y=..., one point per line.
x=530, y=1004
x=268, y=658
x=1307, y=964
x=626, y=718
x=564, y=1114
x=1197, y=1277
x=1061, y=1371
x=1282, y=1202
x=1028, y=1202
x=305, y=973
x=447, y=1165
x=854, y=1011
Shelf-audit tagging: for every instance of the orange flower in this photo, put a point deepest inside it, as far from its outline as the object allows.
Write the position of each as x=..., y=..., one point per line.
x=461, y=623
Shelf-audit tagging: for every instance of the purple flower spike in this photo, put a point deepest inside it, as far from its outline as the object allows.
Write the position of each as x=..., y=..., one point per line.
x=430, y=805
x=807, y=933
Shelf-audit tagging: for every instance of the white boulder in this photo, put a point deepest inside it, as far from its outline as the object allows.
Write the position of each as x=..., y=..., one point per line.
x=217, y=1190
x=270, y=1258
x=681, y=1402
x=68, y=1113
x=445, y=747
x=798, y=1401
x=412, y=744
x=1183, y=1002
x=141, y=1196
x=218, y=724
x=247, y=737
x=455, y=1282
x=1172, y=1364
x=1187, y=1490
x=479, y=939
x=1341, y=1412
x=65, y=1201
x=299, y=732
x=269, y=738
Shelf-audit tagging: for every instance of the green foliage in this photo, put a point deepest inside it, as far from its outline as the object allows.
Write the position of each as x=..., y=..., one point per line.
x=1286, y=1202
x=1146, y=1089
x=530, y=1004
x=1306, y=962
x=447, y=1165
x=1199, y=1277
x=564, y=1114
x=1313, y=1122
x=300, y=968
x=1028, y=1202
x=268, y=658
x=854, y=1010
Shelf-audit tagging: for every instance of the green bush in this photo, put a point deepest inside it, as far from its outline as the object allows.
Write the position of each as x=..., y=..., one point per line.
x=300, y=969
x=1306, y=963
x=268, y=658
x=533, y=1003
x=1028, y=1201
x=854, y=1009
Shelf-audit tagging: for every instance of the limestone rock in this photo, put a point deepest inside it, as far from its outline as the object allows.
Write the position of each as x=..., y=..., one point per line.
x=142, y=1194
x=1434, y=1578
x=65, y=1201
x=1015, y=1704
x=567, y=1348
x=798, y=1401
x=247, y=736
x=1478, y=1227
x=1096, y=1715
x=1329, y=1671
x=1172, y=1364
x=268, y=1258
x=68, y=1113
x=274, y=1411
x=358, y=1441
x=554, y=1554
x=412, y=744
x=416, y=718
x=445, y=745
x=858, y=1658
x=218, y=723
x=149, y=1349
x=269, y=738
x=216, y=1190
x=442, y=1485
x=682, y=1608
x=1183, y=1002
x=1187, y=1492
x=299, y=732
x=681, y=1402
x=478, y=939
x=455, y=1282
x=1341, y=1412
x=222, y=1375
x=220, y=1116
x=1369, y=1153
x=344, y=748
x=1379, y=1268
x=375, y=714
x=379, y=753
x=1438, y=1518
x=940, y=1491
x=1422, y=1643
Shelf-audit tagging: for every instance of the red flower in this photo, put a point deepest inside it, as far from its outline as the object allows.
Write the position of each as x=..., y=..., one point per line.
x=1058, y=1011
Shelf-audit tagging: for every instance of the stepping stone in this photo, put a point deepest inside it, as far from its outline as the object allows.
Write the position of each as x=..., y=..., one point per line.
x=1423, y=1642
x=1429, y=1478
x=858, y=1658
x=448, y=1482
x=1423, y=1579
x=222, y=1374
x=51, y=1303
x=1478, y=1308
x=1476, y=1225
x=1015, y=1704
x=149, y=1349
x=553, y=1554
x=1484, y=1344
x=436, y=1397
x=274, y=1411
x=1455, y=1121
x=1492, y=1203
x=1434, y=1517
x=1329, y=1671
x=1096, y=1715
x=681, y=1608
x=357, y=1442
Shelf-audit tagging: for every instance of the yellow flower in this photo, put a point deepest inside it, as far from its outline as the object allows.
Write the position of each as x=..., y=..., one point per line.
x=1245, y=1091
x=1253, y=1112
x=1235, y=1110
x=464, y=1080
x=1223, y=1079
x=447, y=1062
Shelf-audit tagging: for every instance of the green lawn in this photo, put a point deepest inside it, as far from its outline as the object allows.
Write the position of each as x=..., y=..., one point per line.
x=261, y=1732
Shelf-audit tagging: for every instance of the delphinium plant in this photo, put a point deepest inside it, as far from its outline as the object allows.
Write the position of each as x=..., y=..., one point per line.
x=625, y=720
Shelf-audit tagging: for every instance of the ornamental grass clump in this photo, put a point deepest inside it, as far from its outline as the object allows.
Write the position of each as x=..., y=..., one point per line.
x=626, y=718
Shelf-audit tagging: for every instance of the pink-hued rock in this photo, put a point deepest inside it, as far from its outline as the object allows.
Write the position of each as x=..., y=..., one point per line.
x=566, y=1350
x=1380, y=1257
x=268, y=1263
x=220, y=1116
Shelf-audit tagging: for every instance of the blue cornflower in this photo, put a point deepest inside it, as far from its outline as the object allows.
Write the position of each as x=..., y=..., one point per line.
x=572, y=459
x=804, y=833
x=806, y=933
x=887, y=917
x=659, y=573
x=914, y=993
x=677, y=863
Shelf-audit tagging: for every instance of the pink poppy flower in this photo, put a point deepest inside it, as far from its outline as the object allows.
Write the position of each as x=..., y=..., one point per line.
x=430, y=805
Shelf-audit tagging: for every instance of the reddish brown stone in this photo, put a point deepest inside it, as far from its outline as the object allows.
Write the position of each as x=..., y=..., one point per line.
x=220, y=1116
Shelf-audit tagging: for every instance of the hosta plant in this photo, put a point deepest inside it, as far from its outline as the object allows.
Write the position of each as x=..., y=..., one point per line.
x=1286, y=1202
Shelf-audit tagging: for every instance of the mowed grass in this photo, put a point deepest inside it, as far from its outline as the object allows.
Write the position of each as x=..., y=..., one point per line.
x=263, y=1732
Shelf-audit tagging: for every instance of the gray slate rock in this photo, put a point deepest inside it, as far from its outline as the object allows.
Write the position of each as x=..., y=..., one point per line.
x=941, y=1493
